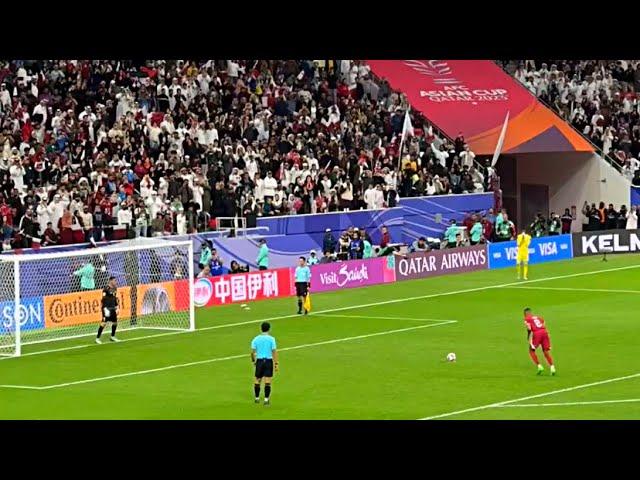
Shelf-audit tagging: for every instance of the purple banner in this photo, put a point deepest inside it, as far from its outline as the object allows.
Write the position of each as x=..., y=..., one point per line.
x=441, y=262
x=354, y=273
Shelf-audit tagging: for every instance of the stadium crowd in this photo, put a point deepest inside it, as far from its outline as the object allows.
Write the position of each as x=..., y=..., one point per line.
x=598, y=97
x=606, y=217
x=166, y=147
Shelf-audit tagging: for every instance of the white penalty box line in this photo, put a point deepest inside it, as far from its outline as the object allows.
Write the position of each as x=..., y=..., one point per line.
x=340, y=309
x=221, y=359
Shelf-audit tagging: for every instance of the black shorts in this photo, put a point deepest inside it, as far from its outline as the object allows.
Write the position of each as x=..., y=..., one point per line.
x=302, y=288
x=264, y=368
x=113, y=316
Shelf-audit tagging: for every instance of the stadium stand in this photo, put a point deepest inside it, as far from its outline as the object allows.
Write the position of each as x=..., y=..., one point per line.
x=598, y=97
x=123, y=149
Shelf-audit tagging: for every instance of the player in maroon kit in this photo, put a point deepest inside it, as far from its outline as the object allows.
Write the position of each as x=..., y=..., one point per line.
x=537, y=335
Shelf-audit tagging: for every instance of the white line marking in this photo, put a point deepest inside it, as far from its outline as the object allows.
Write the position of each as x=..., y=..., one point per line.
x=390, y=318
x=231, y=357
x=571, y=289
x=530, y=397
x=88, y=345
x=21, y=387
x=600, y=402
x=352, y=307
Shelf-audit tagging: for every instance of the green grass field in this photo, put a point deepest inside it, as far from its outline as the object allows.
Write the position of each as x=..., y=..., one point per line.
x=370, y=353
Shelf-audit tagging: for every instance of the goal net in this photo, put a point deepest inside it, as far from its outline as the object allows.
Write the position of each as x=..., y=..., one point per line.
x=46, y=297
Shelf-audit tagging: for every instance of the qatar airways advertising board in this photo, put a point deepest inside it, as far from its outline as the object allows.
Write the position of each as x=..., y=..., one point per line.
x=441, y=262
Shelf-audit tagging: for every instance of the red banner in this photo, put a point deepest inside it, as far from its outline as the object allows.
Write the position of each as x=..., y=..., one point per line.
x=473, y=97
x=242, y=287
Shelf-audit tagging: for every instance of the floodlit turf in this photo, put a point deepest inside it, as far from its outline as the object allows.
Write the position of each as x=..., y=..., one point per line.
x=357, y=357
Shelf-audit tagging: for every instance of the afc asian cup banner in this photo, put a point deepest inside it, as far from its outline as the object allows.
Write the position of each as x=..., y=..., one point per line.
x=473, y=97
x=542, y=249
x=351, y=274
x=441, y=262
x=242, y=287
x=606, y=241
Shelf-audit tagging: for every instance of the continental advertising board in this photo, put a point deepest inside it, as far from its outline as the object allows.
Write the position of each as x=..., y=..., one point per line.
x=78, y=308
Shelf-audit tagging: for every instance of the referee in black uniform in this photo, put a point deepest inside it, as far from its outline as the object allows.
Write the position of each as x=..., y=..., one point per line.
x=109, y=310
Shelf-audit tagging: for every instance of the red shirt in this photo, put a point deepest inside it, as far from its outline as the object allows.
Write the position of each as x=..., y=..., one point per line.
x=128, y=189
x=386, y=239
x=487, y=228
x=157, y=118
x=26, y=131
x=535, y=323
x=5, y=211
x=106, y=206
x=343, y=90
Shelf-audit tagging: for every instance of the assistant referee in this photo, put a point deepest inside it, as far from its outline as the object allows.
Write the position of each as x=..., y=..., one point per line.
x=303, y=283
x=265, y=357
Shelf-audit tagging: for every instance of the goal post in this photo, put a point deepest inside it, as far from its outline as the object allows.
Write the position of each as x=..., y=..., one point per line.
x=46, y=297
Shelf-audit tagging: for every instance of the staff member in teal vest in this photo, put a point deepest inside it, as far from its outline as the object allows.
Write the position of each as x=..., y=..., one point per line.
x=263, y=255
x=476, y=232
x=86, y=274
x=313, y=260
x=205, y=255
x=450, y=235
x=367, y=250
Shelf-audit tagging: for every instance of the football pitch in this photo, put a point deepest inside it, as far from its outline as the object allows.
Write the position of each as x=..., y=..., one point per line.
x=367, y=353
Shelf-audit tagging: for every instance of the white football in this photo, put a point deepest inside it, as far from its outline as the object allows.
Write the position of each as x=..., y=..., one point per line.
x=451, y=357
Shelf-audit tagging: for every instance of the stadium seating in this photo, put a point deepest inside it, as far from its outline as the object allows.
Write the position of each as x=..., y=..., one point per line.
x=598, y=97
x=180, y=142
